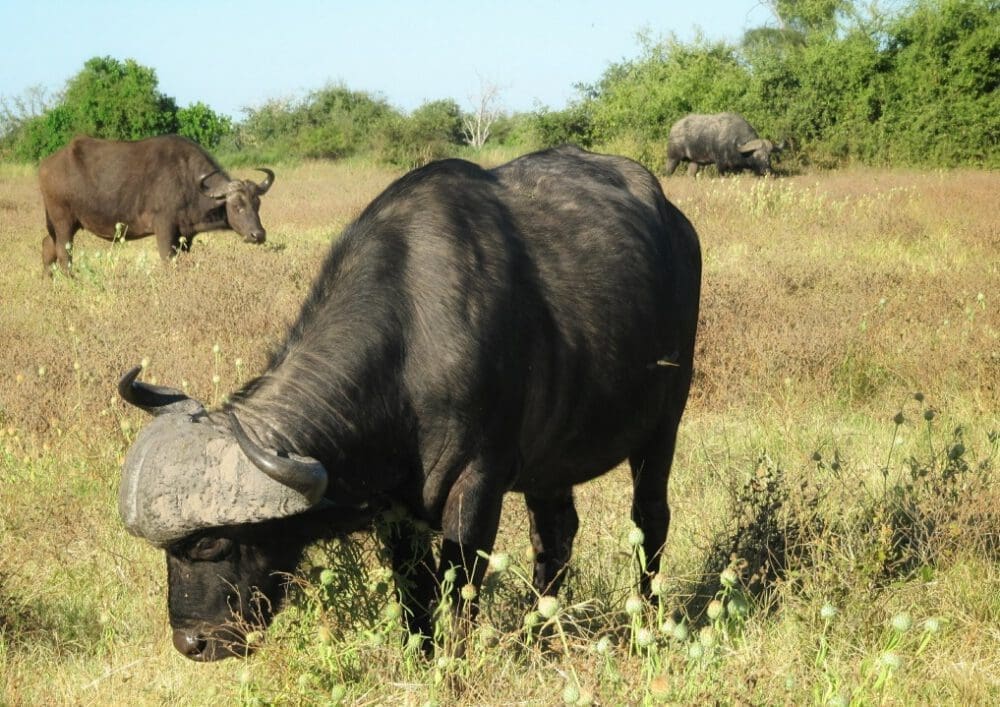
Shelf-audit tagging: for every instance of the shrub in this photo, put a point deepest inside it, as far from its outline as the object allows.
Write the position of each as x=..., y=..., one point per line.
x=203, y=125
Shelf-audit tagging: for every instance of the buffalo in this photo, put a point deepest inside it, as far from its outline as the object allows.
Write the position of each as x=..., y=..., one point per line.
x=165, y=185
x=524, y=328
x=726, y=140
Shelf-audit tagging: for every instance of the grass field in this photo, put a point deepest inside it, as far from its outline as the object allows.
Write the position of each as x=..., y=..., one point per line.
x=838, y=458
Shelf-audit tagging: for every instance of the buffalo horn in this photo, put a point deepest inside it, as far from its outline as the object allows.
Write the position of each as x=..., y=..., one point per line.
x=268, y=181
x=303, y=474
x=155, y=399
x=751, y=146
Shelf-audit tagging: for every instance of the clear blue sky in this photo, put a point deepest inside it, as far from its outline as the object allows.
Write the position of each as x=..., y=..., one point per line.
x=230, y=55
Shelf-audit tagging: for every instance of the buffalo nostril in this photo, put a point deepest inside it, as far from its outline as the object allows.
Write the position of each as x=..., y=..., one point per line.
x=190, y=645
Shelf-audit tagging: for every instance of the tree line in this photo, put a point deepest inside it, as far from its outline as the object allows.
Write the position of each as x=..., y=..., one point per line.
x=842, y=81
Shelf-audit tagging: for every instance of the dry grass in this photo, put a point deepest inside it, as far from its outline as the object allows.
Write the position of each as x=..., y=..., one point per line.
x=828, y=300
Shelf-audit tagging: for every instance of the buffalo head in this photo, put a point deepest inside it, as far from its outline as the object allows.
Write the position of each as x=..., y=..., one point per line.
x=224, y=510
x=242, y=199
x=757, y=154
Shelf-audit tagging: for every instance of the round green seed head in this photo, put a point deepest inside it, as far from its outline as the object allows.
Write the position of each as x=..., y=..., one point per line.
x=326, y=577
x=635, y=537
x=393, y=611
x=634, y=604
x=499, y=561
x=715, y=609
x=892, y=660
x=603, y=645
x=738, y=606
x=644, y=637
x=658, y=585
x=548, y=606
x=414, y=643
x=902, y=622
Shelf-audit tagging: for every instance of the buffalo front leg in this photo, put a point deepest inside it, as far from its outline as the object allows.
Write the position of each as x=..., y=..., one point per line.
x=168, y=240
x=693, y=169
x=553, y=527
x=672, y=163
x=469, y=526
x=413, y=566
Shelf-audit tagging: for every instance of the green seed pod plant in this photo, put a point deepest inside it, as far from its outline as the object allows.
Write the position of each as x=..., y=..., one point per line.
x=902, y=622
x=715, y=609
x=548, y=607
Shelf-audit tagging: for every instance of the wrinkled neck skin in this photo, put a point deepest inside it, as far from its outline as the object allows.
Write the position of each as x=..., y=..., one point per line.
x=215, y=219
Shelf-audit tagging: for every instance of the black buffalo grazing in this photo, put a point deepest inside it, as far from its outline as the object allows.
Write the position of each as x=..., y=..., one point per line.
x=726, y=140
x=524, y=328
x=165, y=185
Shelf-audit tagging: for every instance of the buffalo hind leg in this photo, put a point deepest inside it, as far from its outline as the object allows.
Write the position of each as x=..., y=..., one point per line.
x=693, y=169
x=57, y=244
x=553, y=528
x=650, y=510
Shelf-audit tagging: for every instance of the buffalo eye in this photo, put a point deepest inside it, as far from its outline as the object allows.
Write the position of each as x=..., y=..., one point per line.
x=210, y=549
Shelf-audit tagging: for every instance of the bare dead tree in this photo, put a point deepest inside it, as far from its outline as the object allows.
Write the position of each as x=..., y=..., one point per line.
x=17, y=110
x=476, y=125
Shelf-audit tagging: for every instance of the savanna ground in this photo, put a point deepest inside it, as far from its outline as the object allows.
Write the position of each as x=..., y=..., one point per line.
x=859, y=521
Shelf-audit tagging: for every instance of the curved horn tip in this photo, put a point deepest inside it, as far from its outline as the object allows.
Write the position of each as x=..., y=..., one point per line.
x=268, y=181
x=307, y=477
x=126, y=381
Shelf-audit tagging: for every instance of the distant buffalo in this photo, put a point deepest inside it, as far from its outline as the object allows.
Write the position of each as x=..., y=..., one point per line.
x=473, y=332
x=168, y=186
x=726, y=140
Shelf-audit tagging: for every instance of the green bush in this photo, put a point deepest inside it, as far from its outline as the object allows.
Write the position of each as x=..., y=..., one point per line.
x=203, y=125
x=917, y=88
x=118, y=100
x=549, y=128
x=432, y=131
x=943, y=106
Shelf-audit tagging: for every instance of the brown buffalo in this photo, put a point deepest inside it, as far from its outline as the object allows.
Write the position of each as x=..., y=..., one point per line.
x=166, y=185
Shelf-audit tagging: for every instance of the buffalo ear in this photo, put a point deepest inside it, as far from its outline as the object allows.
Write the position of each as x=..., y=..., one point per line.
x=220, y=190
